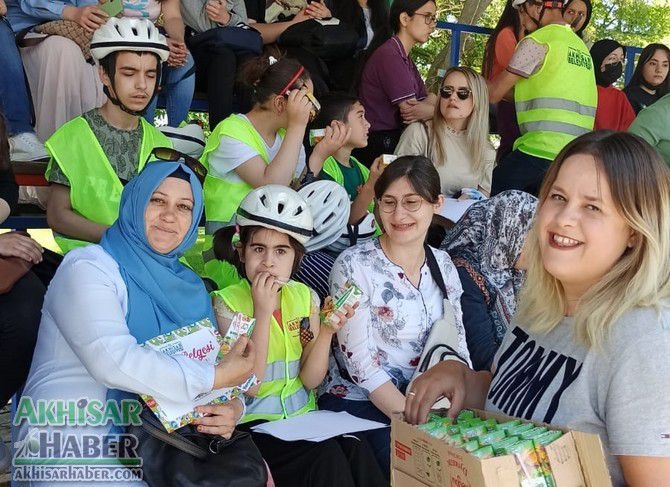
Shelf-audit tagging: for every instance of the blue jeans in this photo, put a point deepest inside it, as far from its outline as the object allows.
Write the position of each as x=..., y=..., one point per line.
x=14, y=98
x=177, y=86
x=379, y=439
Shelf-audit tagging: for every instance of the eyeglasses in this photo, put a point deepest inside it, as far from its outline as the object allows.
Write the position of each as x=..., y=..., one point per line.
x=428, y=17
x=461, y=93
x=316, y=106
x=412, y=203
x=168, y=154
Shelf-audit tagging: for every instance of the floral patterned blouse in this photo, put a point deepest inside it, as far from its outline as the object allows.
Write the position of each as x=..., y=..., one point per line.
x=383, y=341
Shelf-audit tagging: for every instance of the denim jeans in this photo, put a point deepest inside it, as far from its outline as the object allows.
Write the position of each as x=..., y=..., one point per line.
x=177, y=86
x=14, y=99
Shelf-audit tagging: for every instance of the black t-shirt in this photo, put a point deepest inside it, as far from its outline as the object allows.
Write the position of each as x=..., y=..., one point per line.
x=9, y=190
x=639, y=98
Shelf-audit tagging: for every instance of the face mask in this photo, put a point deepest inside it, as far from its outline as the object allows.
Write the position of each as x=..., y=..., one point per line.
x=612, y=73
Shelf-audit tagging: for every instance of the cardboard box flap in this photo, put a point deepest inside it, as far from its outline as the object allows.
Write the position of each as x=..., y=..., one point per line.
x=592, y=458
x=564, y=461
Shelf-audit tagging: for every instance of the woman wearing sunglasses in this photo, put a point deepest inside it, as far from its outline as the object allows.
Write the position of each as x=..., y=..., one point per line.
x=379, y=347
x=391, y=88
x=456, y=139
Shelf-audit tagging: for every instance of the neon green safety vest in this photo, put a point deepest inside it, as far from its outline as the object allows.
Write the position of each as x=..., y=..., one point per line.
x=333, y=169
x=281, y=394
x=557, y=103
x=95, y=189
x=222, y=197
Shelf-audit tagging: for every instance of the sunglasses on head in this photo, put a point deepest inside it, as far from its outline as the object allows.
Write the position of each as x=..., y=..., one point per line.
x=168, y=154
x=461, y=93
x=316, y=106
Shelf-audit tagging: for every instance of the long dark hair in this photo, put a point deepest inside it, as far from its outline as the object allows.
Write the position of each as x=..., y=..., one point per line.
x=647, y=53
x=509, y=18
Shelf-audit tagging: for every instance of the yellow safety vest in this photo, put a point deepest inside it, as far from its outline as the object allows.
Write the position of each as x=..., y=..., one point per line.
x=281, y=394
x=222, y=197
x=557, y=103
x=95, y=189
x=333, y=169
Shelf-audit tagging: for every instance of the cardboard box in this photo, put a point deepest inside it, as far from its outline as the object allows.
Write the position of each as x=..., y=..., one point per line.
x=419, y=460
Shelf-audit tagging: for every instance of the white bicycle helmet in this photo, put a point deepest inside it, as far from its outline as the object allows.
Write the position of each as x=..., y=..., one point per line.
x=128, y=34
x=189, y=139
x=354, y=234
x=330, y=207
x=279, y=208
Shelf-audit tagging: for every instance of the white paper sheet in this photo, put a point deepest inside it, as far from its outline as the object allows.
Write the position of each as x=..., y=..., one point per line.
x=453, y=209
x=316, y=426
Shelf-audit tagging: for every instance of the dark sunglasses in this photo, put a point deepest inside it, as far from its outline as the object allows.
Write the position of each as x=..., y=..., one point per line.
x=461, y=93
x=168, y=154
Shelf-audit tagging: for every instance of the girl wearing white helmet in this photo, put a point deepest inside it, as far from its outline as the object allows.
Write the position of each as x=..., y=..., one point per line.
x=292, y=344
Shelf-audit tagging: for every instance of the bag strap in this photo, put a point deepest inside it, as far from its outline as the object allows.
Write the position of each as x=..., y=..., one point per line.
x=434, y=269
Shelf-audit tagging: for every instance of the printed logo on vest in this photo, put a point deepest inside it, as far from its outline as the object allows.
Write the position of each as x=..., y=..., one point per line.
x=579, y=58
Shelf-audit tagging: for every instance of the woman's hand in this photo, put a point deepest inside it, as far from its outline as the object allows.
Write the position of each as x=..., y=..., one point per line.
x=298, y=107
x=219, y=419
x=317, y=10
x=90, y=17
x=178, y=53
x=3, y=8
x=445, y=379
x=15, y=244
x=237, y=365
x=414, y=110
x=217, y=11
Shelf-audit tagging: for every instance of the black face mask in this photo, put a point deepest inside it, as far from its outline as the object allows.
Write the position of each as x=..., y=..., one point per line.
x=612, y=73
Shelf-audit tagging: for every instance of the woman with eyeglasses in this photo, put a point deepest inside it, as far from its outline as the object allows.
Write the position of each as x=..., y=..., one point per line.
x=391, y=88
x=379, y=348
x=456, y=139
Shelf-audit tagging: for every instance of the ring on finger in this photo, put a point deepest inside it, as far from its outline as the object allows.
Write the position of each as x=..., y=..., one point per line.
x=411, y=393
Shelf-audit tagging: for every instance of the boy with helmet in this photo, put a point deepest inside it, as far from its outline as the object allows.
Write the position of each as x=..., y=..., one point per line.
x=94, y=155
x=552, y=75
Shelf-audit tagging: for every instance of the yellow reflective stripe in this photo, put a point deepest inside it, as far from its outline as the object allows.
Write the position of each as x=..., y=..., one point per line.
x=272, y=404
x=553, y=126
x=555, y=104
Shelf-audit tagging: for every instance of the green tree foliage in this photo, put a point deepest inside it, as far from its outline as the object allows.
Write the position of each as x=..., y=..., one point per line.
x=631, y=22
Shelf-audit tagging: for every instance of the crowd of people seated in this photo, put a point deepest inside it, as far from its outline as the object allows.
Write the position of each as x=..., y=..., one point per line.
x=327, y=169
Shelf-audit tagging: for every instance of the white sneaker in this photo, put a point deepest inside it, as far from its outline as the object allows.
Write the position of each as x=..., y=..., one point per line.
x=26, y=147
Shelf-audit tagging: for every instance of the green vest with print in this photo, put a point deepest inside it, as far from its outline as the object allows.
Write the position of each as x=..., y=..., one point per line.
x=95, y=189
x=222, y=197
x=558, y=102
x=281, y=394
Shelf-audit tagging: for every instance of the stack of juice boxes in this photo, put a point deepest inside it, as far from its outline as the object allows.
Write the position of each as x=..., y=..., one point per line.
x=486, y=438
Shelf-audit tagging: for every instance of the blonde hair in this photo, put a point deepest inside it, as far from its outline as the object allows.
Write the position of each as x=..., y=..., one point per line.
x=640, y=185
x=477, y=131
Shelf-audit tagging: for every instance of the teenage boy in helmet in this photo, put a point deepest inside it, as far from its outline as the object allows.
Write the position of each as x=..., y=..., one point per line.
x=94, y=155
x=551, y=73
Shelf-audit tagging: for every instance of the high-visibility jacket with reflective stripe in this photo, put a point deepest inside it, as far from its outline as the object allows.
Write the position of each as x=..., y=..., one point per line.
x=95, y=189
x=222, y=197
x=557, y=103
x=281, y=394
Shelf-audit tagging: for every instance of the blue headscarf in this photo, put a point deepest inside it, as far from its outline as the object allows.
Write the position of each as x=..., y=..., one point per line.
x=163, y=294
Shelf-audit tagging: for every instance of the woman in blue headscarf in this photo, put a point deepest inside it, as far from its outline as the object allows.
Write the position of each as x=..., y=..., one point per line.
x=106, y=300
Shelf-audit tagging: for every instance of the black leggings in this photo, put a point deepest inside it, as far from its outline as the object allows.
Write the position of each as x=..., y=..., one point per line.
x=344, y=461
x=20, y=314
